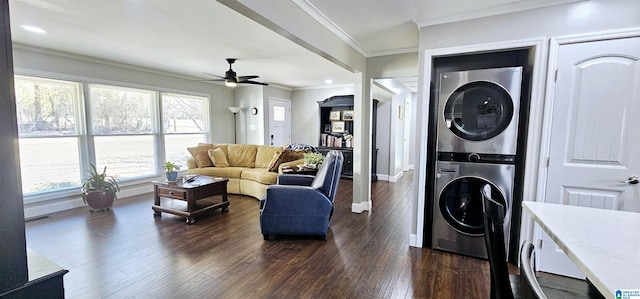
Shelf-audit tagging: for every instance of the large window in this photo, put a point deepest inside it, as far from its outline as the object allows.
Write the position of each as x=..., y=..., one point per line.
x=183, y=122
x=48, y=113
x=124, y=131
x=122, y=122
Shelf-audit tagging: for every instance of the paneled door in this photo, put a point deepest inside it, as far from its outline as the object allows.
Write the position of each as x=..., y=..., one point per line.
x=595, y=134
x=279, y=122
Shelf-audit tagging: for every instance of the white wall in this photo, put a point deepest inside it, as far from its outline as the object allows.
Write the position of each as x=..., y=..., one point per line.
x=580, y=17
x=569, y=19
x=250, y=127
x=305, y=112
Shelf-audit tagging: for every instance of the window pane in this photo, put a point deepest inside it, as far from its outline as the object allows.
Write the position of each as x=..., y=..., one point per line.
x=279, y=113
x=176, y=147
x=117, y=110
x=183, y=114
x=126, y=156
x=45, y=107
x=49, y=163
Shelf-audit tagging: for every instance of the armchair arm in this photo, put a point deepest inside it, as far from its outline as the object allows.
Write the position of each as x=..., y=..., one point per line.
x=295, y=179
x=296, y=200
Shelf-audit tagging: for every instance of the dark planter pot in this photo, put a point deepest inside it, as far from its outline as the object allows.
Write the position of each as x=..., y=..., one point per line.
x=99, y=201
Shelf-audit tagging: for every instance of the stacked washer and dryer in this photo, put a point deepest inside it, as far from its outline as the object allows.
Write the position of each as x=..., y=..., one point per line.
x=477, y=140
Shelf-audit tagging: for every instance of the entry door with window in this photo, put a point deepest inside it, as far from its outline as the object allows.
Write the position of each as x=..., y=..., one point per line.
x=595, y=137
x=279, y=122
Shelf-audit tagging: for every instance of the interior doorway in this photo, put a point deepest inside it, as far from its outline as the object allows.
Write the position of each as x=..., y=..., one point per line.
x=396, y=97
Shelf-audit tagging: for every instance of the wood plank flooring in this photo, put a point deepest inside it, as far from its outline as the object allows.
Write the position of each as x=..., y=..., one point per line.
x=127, y=253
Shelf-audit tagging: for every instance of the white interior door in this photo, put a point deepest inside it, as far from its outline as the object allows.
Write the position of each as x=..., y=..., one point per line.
x=595, y=136
x=279, y=122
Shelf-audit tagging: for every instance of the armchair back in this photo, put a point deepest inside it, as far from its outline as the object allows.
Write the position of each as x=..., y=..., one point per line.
x=328, y=176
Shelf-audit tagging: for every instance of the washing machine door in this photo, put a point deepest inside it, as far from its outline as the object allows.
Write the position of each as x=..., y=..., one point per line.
x=478, y=110
x=461, y=204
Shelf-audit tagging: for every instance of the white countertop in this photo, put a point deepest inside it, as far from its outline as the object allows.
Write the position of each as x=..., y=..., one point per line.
x=604, y=244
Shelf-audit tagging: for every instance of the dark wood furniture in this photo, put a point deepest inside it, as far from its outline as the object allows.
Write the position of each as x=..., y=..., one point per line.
x=331, y=140
x=200, y=196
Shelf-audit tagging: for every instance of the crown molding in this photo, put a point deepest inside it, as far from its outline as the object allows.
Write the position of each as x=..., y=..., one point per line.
x=321, y=18
x=492, y=11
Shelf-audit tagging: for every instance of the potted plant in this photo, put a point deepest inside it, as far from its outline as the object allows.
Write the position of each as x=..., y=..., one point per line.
x=313, y=160
x=99, y=189
x=171, y=171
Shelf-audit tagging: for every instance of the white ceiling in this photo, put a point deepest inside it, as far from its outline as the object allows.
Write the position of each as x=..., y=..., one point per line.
x=193, y=37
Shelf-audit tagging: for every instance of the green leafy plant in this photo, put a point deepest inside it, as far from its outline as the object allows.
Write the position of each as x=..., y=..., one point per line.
x=170, y=166
x=99, y=182
x=313, y=158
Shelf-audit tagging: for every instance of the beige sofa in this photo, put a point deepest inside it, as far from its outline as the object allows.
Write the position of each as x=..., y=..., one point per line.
x=249, y=168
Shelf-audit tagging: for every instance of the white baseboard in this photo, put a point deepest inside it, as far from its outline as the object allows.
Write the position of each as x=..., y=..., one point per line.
x=396, y=178
x=413, y=241
x=383, y=177
x=361, y=207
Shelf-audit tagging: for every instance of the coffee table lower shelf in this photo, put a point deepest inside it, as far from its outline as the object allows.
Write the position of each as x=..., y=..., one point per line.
x=179, y=208
x=190, y=200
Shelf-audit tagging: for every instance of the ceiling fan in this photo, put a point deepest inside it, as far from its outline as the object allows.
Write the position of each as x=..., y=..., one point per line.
x=231, y=79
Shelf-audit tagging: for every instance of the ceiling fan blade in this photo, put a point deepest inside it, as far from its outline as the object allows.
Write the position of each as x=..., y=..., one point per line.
x=252, y=82
x=244, y=78
x=210, y=80
x=214, y=75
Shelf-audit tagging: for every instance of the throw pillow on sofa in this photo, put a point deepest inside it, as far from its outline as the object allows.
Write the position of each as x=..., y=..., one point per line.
x=201, y=155
x=284, y=157
x=218, y=157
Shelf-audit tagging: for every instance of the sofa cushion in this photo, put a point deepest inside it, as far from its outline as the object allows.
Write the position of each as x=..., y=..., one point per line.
x=260, y=175
x=242, y=155
x=218, y=157
x=225, y=172
x=265, y=154
x=223, y=146
x=201, y=155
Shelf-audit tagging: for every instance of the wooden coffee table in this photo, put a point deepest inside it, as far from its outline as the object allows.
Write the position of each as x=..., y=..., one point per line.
x=201, y=195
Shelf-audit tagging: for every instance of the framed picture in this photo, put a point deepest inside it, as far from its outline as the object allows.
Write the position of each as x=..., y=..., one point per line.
x=337, y=126
x=347, y=115
x=334, y=115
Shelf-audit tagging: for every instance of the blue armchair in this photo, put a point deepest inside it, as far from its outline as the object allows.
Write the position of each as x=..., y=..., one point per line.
x=302, y=205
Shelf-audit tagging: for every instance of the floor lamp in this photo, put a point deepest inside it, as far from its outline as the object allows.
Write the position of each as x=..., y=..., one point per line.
x=235, y=111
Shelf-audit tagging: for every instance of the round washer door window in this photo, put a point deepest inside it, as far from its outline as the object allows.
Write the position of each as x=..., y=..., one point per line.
x=461, y=204
x=478, y=111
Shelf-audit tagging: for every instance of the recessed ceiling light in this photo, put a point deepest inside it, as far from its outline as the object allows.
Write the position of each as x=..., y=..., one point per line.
x=328, y=81
x=33, y=29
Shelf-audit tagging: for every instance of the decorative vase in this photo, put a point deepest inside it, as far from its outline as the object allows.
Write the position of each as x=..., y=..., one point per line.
x=172, y=176
x=99, y=201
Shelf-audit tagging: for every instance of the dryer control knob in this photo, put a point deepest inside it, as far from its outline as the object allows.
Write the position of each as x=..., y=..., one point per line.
x=474, y=157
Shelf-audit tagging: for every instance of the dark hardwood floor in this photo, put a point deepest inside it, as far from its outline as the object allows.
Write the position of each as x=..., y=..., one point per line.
x=127, y=253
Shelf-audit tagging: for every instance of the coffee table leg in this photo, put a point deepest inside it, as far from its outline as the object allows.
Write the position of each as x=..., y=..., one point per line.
x=225, y=200
x=156, y=200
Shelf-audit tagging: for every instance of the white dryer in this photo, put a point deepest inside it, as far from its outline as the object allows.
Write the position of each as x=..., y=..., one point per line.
x=478, y=111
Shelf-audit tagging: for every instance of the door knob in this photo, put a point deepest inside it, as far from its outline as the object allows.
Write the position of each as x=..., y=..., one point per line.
x=634, y=179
